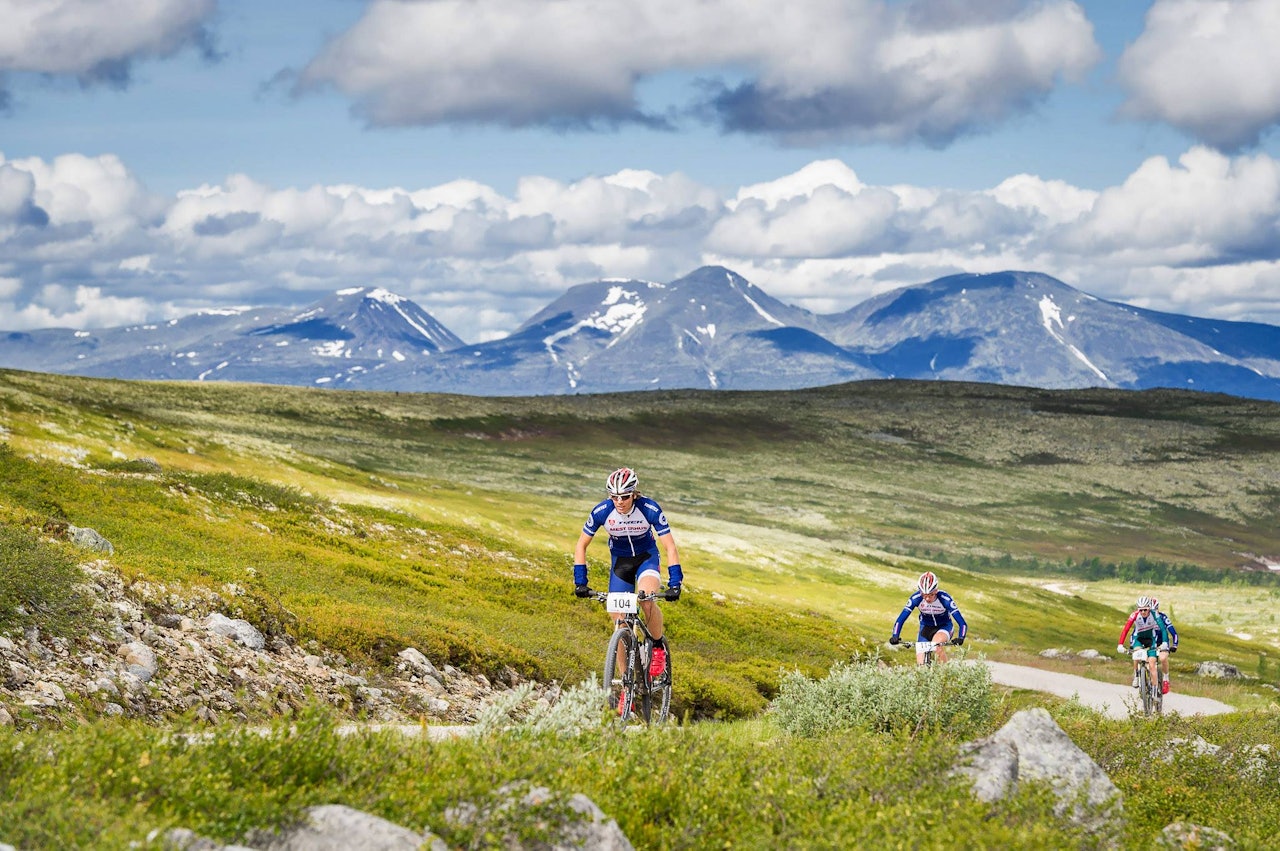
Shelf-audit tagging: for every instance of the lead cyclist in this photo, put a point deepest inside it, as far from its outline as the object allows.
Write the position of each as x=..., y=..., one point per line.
x=634, y=523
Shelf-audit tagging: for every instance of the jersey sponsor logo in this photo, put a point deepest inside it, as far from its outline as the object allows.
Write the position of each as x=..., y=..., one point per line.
x=619, y=526
x=932, y=608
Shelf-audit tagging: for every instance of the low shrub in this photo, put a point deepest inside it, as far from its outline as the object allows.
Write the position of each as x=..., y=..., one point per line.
x=956, y=697
x=39, y=584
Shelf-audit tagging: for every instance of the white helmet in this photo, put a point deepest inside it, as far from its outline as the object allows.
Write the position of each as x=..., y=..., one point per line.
x=622, y=481
x=1155, y=604
x=928, y=583
x=1145, y=603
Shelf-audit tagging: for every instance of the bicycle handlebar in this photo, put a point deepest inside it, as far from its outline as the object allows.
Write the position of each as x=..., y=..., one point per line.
x=641, y=596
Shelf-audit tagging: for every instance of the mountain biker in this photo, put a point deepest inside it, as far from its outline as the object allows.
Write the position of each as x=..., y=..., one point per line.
x=632, y=521
x=936, y=611
x=1149, y=632
x=1173, y=644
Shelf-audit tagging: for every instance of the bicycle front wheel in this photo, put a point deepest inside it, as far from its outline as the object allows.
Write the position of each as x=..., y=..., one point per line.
x=1148, y=699
x=662, y=694
x=619, y=693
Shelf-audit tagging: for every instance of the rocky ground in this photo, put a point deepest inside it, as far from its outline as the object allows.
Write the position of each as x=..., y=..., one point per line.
x=156, y=653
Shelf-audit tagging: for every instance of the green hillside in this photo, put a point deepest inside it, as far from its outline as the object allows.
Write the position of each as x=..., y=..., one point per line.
x=446, y=523
x=366, y=523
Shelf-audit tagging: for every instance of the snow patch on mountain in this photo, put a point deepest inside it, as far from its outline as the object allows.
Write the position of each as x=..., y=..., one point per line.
x=1051, y=313
x=620, y=317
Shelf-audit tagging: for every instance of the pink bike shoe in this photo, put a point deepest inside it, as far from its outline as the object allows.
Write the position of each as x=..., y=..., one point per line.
x=1164, y=687
x=657, y=662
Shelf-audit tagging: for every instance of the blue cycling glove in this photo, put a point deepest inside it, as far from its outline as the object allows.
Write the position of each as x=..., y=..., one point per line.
x=675, y=576
x=579, y=574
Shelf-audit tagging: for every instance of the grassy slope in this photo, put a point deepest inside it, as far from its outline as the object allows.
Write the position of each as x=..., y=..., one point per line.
x=447, y=522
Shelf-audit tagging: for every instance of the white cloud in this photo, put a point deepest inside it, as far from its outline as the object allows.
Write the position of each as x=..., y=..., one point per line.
x=1208, y=67
x=1198, y=235
x=852, y=69
x=95, y=38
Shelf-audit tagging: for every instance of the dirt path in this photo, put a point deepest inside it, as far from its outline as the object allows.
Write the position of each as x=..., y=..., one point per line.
x=1116, y=700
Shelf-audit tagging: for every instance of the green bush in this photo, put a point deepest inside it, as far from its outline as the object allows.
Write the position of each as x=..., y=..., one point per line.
x=955, y=697
x=38, y=584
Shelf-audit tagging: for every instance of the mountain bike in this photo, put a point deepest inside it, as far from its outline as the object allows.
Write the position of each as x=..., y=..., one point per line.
x=631, y=692
x=930, y=650
x=1149, y=693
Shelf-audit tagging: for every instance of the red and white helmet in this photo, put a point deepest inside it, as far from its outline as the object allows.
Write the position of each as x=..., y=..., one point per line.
x=928, y=583
x=622, y=481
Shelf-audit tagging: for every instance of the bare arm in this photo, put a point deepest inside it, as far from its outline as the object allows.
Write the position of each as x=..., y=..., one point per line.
x=580, y=551
x=669, y=543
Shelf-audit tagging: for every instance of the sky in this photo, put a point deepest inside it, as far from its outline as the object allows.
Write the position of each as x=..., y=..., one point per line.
x=161, y=157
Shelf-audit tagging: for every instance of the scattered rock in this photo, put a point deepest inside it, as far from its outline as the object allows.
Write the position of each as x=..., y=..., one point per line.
x=155, y=652
x=235, y=629
x=1031, y=747
x=333, y=827
x=89, y=539
x=1182, y=835
x=1221, y=670
x=566, y=822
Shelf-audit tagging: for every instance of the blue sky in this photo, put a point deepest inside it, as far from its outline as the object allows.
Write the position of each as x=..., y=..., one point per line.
x=159, y=157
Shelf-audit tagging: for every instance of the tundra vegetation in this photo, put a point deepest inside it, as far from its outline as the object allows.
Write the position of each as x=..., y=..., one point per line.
x=366, y=523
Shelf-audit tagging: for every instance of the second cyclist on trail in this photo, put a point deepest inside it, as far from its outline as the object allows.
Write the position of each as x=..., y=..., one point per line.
x=936, y=612
x=635, y=524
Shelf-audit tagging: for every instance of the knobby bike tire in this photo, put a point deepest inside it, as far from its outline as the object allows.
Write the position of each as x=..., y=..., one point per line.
x=662, y=694
x=638, y=674
x=617, y=681
x=1148, y=701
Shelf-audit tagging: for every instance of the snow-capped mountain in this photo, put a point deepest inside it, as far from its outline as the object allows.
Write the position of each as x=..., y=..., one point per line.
x=1031, y=329
x=353, y=331
x=711, y=329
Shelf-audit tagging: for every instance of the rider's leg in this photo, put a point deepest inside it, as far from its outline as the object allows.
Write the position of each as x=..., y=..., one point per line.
x=939, y=638
x=648, y=582
x=1163, y=665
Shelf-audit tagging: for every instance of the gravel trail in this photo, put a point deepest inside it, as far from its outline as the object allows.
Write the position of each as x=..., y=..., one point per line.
x=1116, y=700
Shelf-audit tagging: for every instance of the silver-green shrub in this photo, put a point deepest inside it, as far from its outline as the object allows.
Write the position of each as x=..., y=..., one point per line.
x=956, y=696
x=577, y=710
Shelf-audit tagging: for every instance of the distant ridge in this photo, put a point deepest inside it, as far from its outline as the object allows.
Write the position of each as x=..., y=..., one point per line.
x=711, y=329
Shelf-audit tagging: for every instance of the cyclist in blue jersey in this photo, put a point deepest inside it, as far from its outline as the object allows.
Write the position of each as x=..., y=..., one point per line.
x=936, y=611
x=1173, y=644
x=635, y=524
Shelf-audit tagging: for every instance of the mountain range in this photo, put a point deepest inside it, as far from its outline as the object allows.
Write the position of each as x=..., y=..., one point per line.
x=709, y=329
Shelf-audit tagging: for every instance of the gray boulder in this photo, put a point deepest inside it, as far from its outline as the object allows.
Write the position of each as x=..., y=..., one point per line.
x=89, y=539
x=240, y=631
x=571, y=822
x=1181, y=835
x=1031, y=747
x=1220, y=670
x=334, y=827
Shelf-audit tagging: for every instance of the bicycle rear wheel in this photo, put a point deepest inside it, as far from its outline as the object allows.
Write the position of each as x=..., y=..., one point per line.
x=618, y=674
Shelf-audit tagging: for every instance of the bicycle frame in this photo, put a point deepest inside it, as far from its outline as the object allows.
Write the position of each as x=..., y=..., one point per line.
x=930, y=650
x=1149, y=694
x=631, y=692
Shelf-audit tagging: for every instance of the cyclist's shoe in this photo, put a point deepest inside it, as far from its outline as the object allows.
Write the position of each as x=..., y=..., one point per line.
x=622, y=705
x=1164, y=687
x=658, y=662
x=1135, y=680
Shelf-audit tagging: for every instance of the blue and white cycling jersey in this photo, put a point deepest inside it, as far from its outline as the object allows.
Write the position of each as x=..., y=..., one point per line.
x=630, y=534
x=1168, y=628
x=935, y=614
